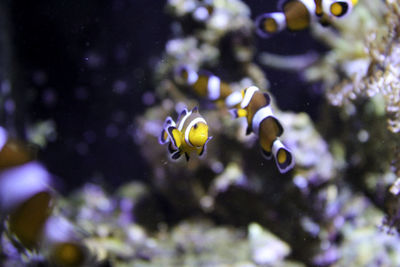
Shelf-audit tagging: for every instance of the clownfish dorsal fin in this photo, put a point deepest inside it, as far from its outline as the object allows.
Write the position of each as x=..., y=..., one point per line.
x=267, y=98
x=182, y=114
x=195, y=110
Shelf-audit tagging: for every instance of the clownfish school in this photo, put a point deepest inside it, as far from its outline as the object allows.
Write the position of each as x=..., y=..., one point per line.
x=296, y=15
x=189, y=134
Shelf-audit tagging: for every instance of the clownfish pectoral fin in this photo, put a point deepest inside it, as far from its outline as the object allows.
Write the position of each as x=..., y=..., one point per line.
x=176, y=155
x=238, y=112
x=187, y=156
x=175, y=136
x=283, y=157
x=233, y=113
x=267, y=155
x=200, y=152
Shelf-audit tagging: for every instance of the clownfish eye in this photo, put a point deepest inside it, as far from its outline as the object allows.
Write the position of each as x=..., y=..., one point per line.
x=195, y=126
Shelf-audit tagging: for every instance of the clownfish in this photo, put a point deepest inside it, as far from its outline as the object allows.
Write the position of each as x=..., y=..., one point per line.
x=203, y=83
x=25, y=194
x=63, y=244
x=298, y=15
x=255, y=106
x=189, y=134
x=326, y=10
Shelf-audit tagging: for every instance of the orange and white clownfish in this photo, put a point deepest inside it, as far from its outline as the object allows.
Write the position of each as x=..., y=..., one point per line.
x=189, y=134
x=256, y=107
x=203, y=83
x=25, y=194
x=326, y=10
x=63, y=244
x=296, y=15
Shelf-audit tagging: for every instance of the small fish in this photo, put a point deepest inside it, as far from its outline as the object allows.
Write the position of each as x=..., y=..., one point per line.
x=296, y=15
x=189, y=134
x=255, y=106
x=26, y=198
x=63, y=244
x=203, y=83
x=25, y=195
x=327, y=10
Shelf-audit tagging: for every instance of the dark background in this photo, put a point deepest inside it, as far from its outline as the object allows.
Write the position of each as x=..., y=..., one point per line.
x=86, y=64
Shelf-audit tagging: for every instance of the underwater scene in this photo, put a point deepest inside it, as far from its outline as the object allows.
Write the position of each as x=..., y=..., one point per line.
x=205, y=133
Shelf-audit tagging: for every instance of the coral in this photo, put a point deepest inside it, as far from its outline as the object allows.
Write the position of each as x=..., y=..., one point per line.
x=233, y=207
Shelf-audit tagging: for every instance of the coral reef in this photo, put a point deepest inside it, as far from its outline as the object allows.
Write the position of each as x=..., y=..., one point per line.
x=233, y=207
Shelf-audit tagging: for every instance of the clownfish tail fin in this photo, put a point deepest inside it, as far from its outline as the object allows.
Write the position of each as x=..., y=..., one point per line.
x=283, y=156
